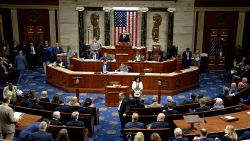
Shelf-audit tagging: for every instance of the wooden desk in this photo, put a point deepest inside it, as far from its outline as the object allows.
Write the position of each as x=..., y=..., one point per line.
x=130, y=51
x=95, y=82
x=216, y=125
x=157, y=67
x=27, y=120
x=112, y=94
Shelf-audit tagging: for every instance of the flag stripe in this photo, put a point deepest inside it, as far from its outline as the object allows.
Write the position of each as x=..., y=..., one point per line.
x=126, y=20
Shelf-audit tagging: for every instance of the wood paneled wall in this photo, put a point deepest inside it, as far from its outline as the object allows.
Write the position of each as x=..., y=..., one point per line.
x=7, y=26
x=246, y=35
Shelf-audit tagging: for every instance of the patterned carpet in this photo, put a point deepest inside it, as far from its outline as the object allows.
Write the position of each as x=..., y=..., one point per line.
x=108, y=129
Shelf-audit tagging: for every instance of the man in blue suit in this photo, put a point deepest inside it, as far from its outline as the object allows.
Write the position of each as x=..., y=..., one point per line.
x=75, y=122
x=124, y=37
x=160, y=123
x=135, y=124
x=245, y=136
x=63, y=108
x=21, y=65
x=42, y=135
x=186, y=58
x=105, y=67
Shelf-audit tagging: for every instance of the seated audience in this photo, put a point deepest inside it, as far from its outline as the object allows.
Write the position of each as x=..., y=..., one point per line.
x=203, y=136
x=34, y=104
x=25, y=101
x=106, y=57
x=56, y=98
x=191, y=100
x=139, y=136
x=138, y=57
x=240, y=86
x=155, y=137
x=105, y=67
x=85, y=109
x=122, y=68
x=170, y=109
x=218, y=104
x=202, y=96
x=245, y=136
x=62, y=135
x=245, y=81
x=74, y=120
x=233, y=89
x=179, y=135
x=170, y=99
x=225, y=93
x=243, y=73
x=137, y=104
x=135, y=124
x=44, y=97
x=56, y=119
x=154, y=104
x=202, y=107
x=74, y=102
x=42, y=135
x=230, y=134
x=63, y=108
x=160, y=123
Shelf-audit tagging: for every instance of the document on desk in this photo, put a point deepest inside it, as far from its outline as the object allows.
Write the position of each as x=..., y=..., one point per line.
x=18, y=115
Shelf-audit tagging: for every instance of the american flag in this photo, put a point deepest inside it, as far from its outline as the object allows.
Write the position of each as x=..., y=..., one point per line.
x=127, y=20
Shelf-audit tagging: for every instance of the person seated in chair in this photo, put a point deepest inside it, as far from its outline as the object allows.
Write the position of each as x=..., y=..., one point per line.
x=170, y=109
x=154, y=104
x=233, y=89
x=138, y=57
x=42, y=135
x=203, y=136
x=95, y=49
x=74, y=102
x=225, y=93
x=202, y=107
x=135, y=124
x=160, y=123
x=122, y=68
x=124, y=37
x=137, y=87
x=25, y=102
x=63, y=108
x=85, y=109
x=34, y=104
x=179, y=135
x=44, y=97
x=218, y=104
x=105, y=67
x=106, y=57
x=56, y=119
x=191, y=100
x=137, y=104
x=74, y=120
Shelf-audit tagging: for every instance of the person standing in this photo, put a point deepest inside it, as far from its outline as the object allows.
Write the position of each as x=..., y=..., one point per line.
x=70, y=54
x=10, y=89
x=32, y=56
x=124, y=37
x=21, y=65
x=137, y=87
x=186, y=58
x=123, y=108
x=7, y=126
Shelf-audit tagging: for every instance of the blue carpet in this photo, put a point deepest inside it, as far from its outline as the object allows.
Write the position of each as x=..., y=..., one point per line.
x=109, y=127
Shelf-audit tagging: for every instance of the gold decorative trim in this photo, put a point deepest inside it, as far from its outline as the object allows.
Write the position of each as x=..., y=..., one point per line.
x=11, y=6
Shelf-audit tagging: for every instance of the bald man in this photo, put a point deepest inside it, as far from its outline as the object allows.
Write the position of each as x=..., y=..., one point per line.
x=56, y=119
x=160, y=123
x=135, y=124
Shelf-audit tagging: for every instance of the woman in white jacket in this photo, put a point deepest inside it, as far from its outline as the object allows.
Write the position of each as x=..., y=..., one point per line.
x=137, y=87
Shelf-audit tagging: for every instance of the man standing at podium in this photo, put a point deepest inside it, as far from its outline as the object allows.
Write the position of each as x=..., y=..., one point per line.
x=124, y=37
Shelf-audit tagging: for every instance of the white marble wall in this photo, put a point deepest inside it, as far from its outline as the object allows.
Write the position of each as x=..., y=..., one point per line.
x=163, y=31
x=87, y=23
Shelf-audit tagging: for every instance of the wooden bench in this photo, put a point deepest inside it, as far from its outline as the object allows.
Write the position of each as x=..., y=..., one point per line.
x=130, y=133
x=75, y=133
x=65, y=117
x=51, y=107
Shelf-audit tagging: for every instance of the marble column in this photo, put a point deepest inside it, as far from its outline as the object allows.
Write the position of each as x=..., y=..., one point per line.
x=170, y=29
x=107, y=28
x=52, y=24
x=200, y=30
x=144, y=29
x=15, y=30
x=82, y=49
x=240, y=29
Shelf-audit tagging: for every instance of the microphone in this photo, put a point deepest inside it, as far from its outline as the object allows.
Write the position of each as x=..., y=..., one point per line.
x=205, y=121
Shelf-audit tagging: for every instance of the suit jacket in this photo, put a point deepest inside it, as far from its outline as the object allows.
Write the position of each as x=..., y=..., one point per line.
x=245, y=135
x=139, y=58
x=108, y=67
x=35, y=106
x=21, y=63
x=169, y=112
x=63, y=108
x=180, y=139
x=134, y=125
x=7, y=119
x=159, y=124
x=75, y=123
x=200, y=109
x=205, y=139
x=186, y=62
x=124, y=108
x=154, y=105
x=57, y=50
x=85, y=110
x=124, y=39
x=55, y=122
x=42, y=136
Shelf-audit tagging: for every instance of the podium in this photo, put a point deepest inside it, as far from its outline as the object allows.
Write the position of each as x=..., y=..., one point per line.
x=112, y=94
x=123, y=45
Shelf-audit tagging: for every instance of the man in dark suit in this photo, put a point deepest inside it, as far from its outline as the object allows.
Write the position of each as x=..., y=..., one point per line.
x=179, y=135
x=138, y=57
x=106, y=56
x=203, y=136
x=56, y=119
x=124, y=37
x=21, y=65
x=123, y=108
x=202, y=107
x=57, y=50
x=63, y=108
x=160, y=123
x=135, y=124
x=245, y=136
x=42, y=135
x=105, y=67
x=186, y=58
x=74, y=120
x=170, y=110
x=191, y=100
